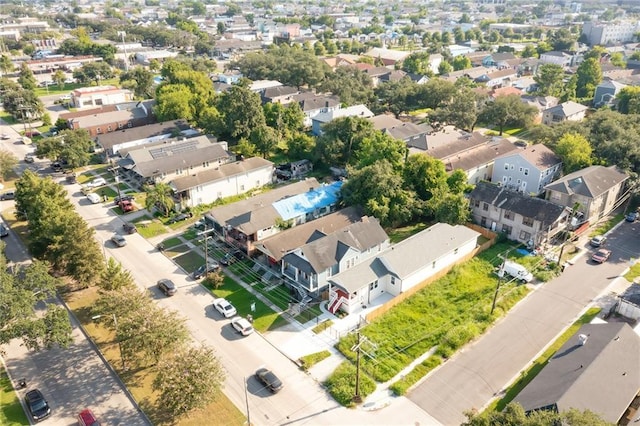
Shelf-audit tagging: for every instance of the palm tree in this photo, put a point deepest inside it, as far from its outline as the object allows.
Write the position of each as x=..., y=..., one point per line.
x=160, y=195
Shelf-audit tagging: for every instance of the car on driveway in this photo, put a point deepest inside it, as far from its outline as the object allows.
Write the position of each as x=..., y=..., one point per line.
x=231, y=258
x=202, y=271
x=225, y=308
x=242, y=326
x=10, y=195
x=269, y=380
x=126, y=206
x=598, y=240
x=167, y=287
x=601, y=255
x=29, y=158
x=99, y=181
x=119, y=240
x=37, y=405
x=87, y=418
x=125, y=197
x=632, y=216
x=4, y=136
x=4, y=230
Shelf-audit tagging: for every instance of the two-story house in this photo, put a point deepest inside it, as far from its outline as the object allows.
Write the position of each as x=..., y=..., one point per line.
x=226, y=180
x=606, y=93
x=111, y=118
x=527, y=170
x=313, y=104
x=529, y=220
x=566, y=111
x=499, y=60
x=557, y=58
x=279, y=94
x=169, y=159
x=410, y=133
x=246, y=222
x=313, y=263
x=594, y=191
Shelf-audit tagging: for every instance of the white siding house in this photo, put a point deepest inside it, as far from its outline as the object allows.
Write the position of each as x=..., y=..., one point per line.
x=527, y=170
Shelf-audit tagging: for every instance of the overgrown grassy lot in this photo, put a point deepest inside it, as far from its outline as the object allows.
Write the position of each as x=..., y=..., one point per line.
x=310, y=360
x=605, y=227
x=448, y=313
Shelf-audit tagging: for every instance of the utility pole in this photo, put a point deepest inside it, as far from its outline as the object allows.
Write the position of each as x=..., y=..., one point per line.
x=206, y=253
x=361, y=340
x=500, y=275
x=124, y=47
x=246, y=398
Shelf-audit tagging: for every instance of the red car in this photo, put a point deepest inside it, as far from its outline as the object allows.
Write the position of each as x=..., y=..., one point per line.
x=126, y=206
x=601, y=255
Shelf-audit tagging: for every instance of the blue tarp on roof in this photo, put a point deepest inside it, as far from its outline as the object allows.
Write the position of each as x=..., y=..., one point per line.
x=308, y=202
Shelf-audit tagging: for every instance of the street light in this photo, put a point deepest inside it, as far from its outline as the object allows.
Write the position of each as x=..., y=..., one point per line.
x=115, y=324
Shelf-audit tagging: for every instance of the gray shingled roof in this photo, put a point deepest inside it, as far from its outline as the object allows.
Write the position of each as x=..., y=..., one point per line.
x=285, y=241
x=531, y=207
x=222, y=172
x=329, y=250
x=567, y=109
x=257, y=212
x=538, y=156
x=602, y=375
x=479, y=155
x=108, y=140
x=312, y=102
x=154, y=159
x=590, y=182
x=107, y=118
x=408, y=256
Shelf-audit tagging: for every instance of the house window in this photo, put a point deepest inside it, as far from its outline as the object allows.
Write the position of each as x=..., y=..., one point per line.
x=241, y=187
x=519, y=181
x=257, y=183
x=508, y=215
x=393, y=280
x=476, y=203
x=506, y=166
x=129, y=124
x=119, y=125
x=219, y=194
x=507, y=229
x=433, y=264
x=373, y=285
x=513, y=167
x=485, y=207
x=455, y=251
x=526, y=172
x=483, y=222
x=525, y=236
x=527, y=221
x=109, y=128
x=520, y=169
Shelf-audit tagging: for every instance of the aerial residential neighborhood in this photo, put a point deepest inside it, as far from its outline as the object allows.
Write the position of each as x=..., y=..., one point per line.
x=362, y=213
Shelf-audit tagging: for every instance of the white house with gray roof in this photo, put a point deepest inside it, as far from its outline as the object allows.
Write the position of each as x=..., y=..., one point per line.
x=527, y=170
x=324, y=256
x=224, y=181
x=566, y=111
x=169, y=159
x=401, y=266
x=323, y=118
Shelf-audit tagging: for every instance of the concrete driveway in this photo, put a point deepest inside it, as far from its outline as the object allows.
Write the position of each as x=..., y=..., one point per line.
x=481, y=371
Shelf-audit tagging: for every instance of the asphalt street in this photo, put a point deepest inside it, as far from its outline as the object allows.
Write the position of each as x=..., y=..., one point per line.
x=302, y=401
x=481, y=371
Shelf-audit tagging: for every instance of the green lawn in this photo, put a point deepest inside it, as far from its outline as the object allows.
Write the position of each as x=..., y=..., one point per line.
x=7, y=118
x=56, y=90
x=11, y=412
x=527, y=376
x=398, y=234
x=264, y=318
x=148, y=228
x=189, y=261
x=605, y=227
x=448, y=313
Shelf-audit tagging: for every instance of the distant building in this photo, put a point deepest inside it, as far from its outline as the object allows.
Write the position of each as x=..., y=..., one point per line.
x=566, y=111
x=606, y=93
x=610, y=33
x=99, y=95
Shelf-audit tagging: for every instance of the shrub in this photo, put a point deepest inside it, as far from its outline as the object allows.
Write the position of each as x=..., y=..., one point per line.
x=310, y=360
x=459, y=335
x=419, y=371
x=342, y=384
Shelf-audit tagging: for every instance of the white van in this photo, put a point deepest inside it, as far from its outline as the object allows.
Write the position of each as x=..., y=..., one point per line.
x=93, y=197
x=517, y=271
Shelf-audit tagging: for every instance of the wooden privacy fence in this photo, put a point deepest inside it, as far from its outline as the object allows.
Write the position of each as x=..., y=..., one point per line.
x=492, y=238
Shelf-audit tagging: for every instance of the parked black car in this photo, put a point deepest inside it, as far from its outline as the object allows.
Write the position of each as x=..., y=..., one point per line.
x=167, y=287
x=180, y=218
x=37, y=405
x=270, y=380
x=202, y=271
x=129, y=228
x=231, y=258
x=4, y=230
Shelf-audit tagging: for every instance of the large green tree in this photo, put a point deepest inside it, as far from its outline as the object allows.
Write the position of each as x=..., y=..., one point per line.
x=140, y=81
x=589, y=75
x=341, y=138
x=508, y=110
x=74, y=146
x=190, y=379
x=8, y=162
x=629, y=100
x=380, y=190
x=241, y=111
x=19, y=319
x=550, y=80
x=6, y=65
x=575, y=152
x=350, y=84
x=26, y=78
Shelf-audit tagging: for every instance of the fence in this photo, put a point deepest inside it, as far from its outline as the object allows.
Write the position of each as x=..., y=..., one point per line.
x=492, y=238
